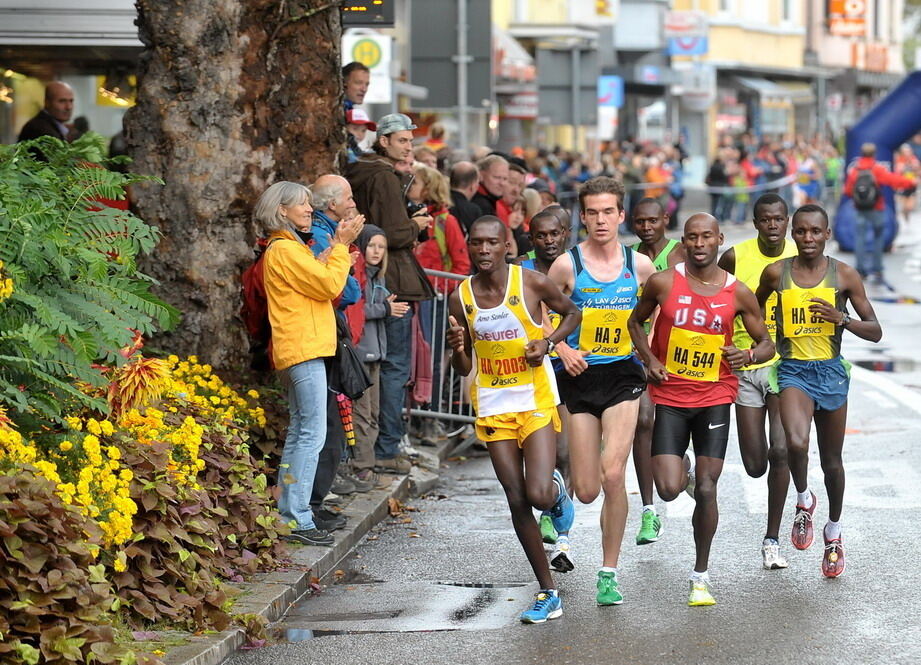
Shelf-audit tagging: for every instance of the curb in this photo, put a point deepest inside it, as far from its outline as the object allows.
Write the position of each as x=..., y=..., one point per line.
x=270, y=595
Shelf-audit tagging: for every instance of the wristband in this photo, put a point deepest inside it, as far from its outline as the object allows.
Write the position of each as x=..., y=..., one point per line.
x=751, y=357
x=550, y=345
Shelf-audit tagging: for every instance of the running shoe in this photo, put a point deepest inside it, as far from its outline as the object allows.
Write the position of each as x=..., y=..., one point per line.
x=700, y=595
x=801, y=535
x=771, y=557
x=547, y=605
x=563, y=512
x=547, y=533
x=650, y=528
x=608, y=589
x=833, y=560
x=561, y=557
x=692, y=478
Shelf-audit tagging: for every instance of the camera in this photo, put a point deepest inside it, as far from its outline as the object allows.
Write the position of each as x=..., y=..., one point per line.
x=414, y=208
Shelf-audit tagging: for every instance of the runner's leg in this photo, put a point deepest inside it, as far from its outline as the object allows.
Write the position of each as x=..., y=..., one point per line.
x=779, y=470
x=796, y=409
x=642, y=448
x=584, y=452
x=670, y=436
x=830, y=435
x=618, y=425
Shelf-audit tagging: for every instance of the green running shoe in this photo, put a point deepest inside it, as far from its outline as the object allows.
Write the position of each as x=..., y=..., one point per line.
x=547, y=531
x=650, y=529
x=608, y=590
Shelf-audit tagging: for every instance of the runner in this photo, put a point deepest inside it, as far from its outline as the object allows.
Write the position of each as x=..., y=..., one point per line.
x=514, y=391
x=812, y=294
x=757, y=399
x=548, y=236
x=691, y=381
x=649, y=224
x=603, y=379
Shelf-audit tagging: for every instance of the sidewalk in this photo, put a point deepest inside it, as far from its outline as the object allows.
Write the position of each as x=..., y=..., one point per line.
x=269, y=595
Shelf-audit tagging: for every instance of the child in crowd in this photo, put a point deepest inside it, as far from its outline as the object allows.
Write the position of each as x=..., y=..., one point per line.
x=377, y=304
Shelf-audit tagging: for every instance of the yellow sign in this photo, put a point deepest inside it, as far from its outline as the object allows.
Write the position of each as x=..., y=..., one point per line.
x=116, y=96
x=367, y=52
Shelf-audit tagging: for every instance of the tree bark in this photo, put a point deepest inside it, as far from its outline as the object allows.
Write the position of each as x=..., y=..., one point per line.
x=233, y=95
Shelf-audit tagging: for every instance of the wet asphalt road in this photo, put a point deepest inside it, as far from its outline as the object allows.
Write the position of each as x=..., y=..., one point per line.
x=445, y=582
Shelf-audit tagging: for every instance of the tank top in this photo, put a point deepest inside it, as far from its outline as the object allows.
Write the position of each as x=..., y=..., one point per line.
x=800, y=334
x=504, y=382
x=605, y=307
x=689, y=332
x=750, y=263
x=660, y=263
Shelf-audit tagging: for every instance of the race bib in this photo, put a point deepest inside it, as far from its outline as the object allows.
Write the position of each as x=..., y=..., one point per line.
x=604, y=332
x=502, y=364
x=770, y=310
x=693, y=355
x=798, y=321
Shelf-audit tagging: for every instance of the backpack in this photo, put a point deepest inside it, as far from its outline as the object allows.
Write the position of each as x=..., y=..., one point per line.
x=866, y=191
x=255, y=309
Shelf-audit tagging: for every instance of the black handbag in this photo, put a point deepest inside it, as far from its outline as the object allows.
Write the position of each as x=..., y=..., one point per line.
x=347, y=373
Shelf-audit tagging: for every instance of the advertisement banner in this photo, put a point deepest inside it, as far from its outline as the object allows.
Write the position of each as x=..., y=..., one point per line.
x=847, y=17
x=687, y=45
x=374, y=52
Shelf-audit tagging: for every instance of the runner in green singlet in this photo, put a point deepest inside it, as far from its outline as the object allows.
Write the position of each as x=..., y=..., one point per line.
x=649, y=224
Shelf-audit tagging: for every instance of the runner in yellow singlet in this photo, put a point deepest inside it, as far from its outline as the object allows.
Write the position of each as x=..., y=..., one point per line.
x=495, y=331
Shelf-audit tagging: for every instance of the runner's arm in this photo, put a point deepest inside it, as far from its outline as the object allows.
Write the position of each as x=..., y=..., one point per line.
x=753, y=319
x=649, y=300
x=458, y=335
x=867, y=326
x=728, y=261
x=552, y=298
x=644, y=268
x=563, y=275
x=770, y=280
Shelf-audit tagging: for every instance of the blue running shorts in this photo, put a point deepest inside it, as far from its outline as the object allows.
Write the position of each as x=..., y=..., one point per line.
x=825, y=381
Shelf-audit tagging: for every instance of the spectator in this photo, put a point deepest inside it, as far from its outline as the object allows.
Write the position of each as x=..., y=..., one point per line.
x=909, y=166
x=378, y=303
x=717, y=178
x=299, y=291
x=356, y=78
x=379, y=196
x=357, y=124
x=533, y=204
x=426, y=156
x=53, y=118
x=514, y=186
x=493, y=179
x=865, y=180
x=517, y=218
x=465, y=179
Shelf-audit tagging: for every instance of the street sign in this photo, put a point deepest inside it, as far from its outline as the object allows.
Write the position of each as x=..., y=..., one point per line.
x=610, y=91
x=687, y=45
x=374, y=51
x=683, y=24
x=847, y=17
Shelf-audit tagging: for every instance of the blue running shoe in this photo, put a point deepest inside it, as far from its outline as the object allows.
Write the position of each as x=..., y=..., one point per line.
x=547, y=605
x=563, y=512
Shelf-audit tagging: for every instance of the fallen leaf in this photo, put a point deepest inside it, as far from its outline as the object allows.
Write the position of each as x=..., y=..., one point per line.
x=414, y=535
x=394, y=506
x=339, y=574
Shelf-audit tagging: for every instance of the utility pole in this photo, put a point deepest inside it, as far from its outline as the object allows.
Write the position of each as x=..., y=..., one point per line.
x=462, y=59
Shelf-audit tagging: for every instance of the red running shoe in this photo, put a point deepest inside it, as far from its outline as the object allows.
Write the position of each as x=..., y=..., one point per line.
x=833, y=559
x=801, y=536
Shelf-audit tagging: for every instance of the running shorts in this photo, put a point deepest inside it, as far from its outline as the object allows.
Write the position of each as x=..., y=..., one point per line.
x=754, y=386
x=602, y=385
x=706, y=426
x=516, y=426
x=826, y=382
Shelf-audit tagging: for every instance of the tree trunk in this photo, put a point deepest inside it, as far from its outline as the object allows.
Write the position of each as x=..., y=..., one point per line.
x=233, y=95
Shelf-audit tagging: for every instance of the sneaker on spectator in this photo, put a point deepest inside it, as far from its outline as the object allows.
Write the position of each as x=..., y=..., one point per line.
x=393, y=465
x=368, y=476
x=316, y=537
x=333, y=499
x=342, y=485
x=361, y=486
x=327, y=520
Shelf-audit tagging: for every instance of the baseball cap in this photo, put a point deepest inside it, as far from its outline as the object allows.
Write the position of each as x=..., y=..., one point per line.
x=359, y=117
x=394, y=122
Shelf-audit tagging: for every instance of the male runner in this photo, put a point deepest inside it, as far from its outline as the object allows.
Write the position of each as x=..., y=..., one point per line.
x=757, y=398
x=812, y=294
x=548, y=237
x=690, y=368
x=649, y=224
x=496, y=314
x=603, y=379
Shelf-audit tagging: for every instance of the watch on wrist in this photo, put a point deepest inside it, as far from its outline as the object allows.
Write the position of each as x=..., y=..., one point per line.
x=845, y=319
x=550, y=345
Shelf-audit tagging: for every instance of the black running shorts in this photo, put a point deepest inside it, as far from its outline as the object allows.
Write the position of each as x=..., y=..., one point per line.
x=601, y=386
x=706, y=426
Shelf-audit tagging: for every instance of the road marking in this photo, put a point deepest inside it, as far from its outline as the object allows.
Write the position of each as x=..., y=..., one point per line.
x=880, y=399
x=901, y=394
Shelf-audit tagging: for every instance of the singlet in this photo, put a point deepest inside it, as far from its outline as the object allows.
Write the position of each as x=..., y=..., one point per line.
x=660, y=263
x=530, y=261
x=504, y=382
x=689, y=332
x=750, y=263
x=800, y=334
x=605, y=307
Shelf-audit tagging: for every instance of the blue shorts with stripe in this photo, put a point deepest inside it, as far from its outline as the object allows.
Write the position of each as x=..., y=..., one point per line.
x=826, y=382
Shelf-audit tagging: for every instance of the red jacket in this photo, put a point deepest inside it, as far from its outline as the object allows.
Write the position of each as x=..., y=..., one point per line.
x=884, y=178
x=432, y=255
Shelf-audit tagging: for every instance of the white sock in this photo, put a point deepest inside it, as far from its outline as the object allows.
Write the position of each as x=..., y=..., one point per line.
x=651, y=508
x=699, y=577
x=608, y=569
x=770, y=541
x=833, y=530
x=804, y=498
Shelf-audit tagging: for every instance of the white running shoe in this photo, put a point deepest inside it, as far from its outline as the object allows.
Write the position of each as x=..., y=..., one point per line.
x=561, y=556
x=771, y=557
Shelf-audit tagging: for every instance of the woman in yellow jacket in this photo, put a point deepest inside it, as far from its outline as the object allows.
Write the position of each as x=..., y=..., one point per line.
x=300, y=290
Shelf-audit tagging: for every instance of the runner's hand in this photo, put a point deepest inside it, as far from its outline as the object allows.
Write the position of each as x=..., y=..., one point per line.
x=737, y=358
x=656, y=372
x=535, y=351
x=825, y=311
x=573, y=361
x=455, y=335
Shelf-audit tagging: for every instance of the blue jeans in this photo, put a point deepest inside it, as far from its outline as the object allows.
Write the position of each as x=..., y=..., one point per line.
x=436, y=338
x=872, y=262
x=306, y=436
x=394, y=377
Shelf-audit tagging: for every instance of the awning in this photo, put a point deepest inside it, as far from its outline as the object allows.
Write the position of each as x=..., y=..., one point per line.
x=768, y=90
x=800, y=92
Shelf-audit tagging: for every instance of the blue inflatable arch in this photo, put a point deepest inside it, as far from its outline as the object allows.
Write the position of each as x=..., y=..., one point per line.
x=889, y=124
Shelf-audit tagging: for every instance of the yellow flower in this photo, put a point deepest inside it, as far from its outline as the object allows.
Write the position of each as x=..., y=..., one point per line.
x=113, y=453
x=107, y=428
x=119, y=566
x=74, y=423
x=253, y=394
x=65, y=445
x=92, y=426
